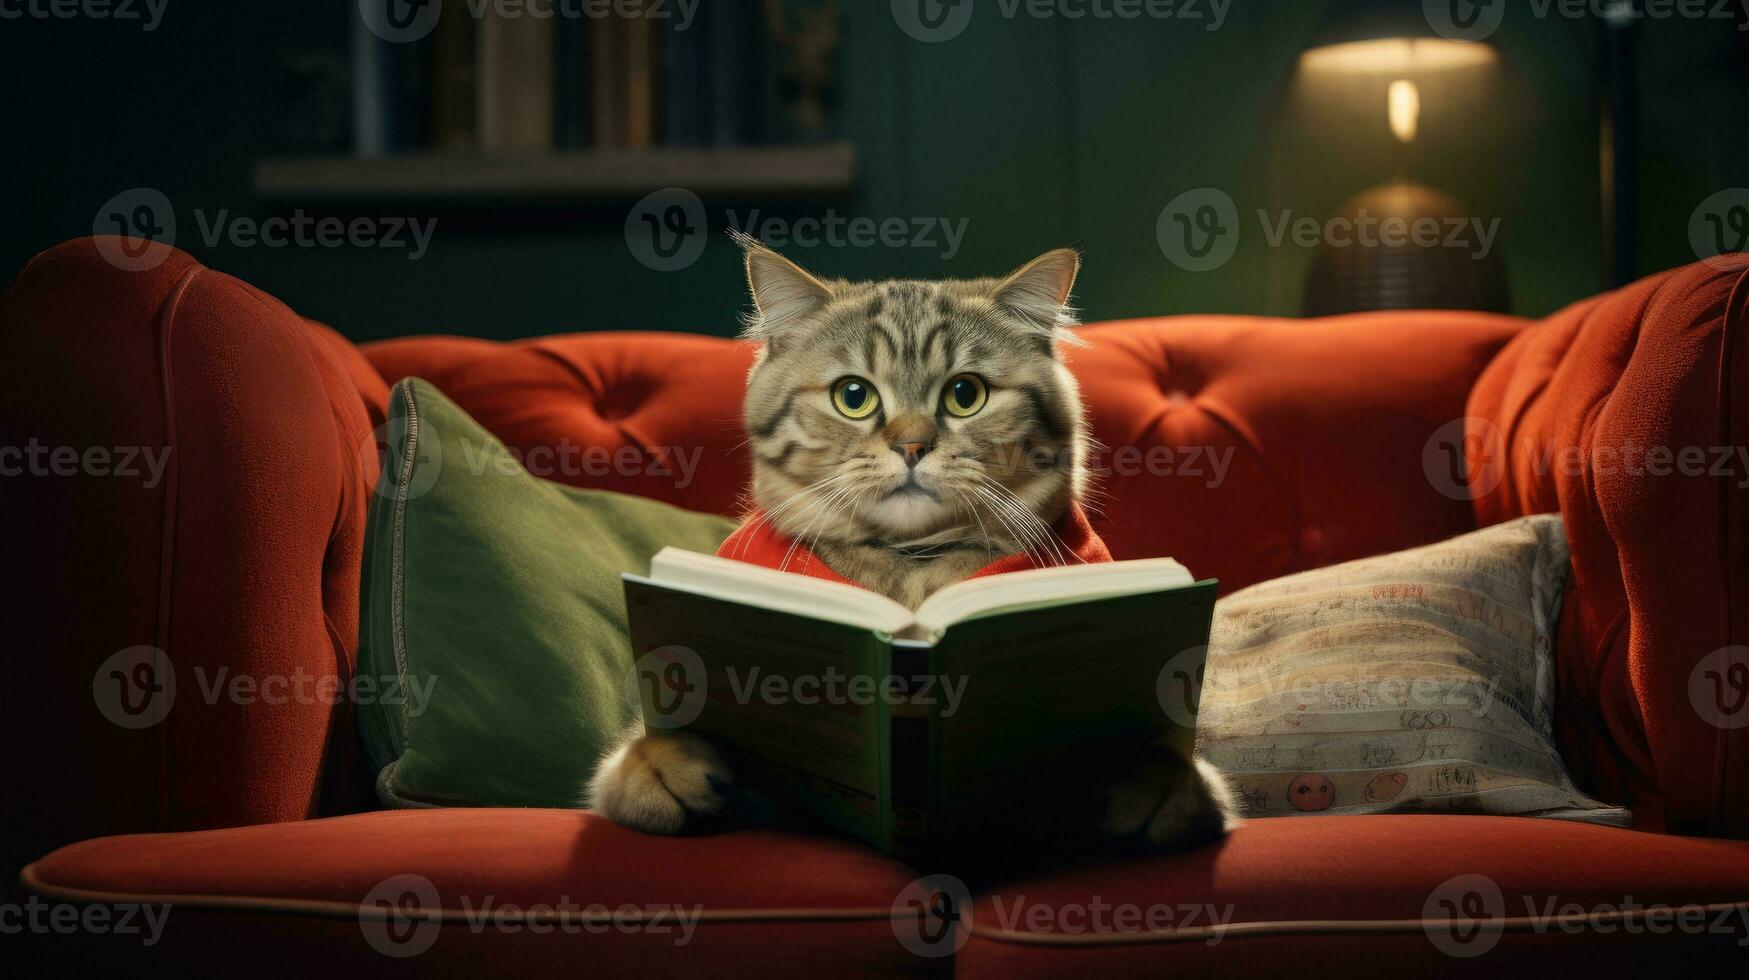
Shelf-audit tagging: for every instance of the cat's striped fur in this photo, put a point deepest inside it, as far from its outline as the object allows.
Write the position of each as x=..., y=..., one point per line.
x=986, y=486
x=911, y=497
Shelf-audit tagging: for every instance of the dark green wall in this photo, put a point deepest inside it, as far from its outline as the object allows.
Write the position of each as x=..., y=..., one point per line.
x=1035, y=132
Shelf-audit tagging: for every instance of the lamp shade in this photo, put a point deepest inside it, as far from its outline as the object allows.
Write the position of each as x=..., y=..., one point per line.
x=1386, y=36
x=1347, y=21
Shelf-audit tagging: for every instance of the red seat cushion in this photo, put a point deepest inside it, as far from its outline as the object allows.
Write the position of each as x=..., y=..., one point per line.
x=767, y=904
x=1352, y=896
x=1295, y=896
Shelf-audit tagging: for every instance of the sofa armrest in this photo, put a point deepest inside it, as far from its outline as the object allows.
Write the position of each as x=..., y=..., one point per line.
x=1629, y=414
x=183, y=457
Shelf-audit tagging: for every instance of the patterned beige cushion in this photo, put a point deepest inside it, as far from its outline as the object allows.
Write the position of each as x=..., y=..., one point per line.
x=1417, y=681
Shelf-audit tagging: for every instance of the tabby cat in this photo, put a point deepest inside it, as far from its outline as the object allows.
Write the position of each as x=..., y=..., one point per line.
x=910, y=433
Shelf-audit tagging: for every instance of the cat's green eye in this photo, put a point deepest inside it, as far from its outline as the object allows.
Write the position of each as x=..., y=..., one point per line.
x=964, y=395
x=854, y=398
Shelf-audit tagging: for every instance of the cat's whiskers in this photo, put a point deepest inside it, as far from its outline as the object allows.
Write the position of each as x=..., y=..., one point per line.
x=1022, y=536
x=762, y=516
x=811, y=507
x=963, y=475
x=1049, y=532
x=1039, y=530
x=989, y=546
x=1063, y=552
x=768, y=516
x=855, y=498
x=849, y=495
x=819, y=509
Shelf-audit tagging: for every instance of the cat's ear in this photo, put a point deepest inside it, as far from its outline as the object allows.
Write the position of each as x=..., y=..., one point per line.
x=1037, y=293
x=783, y=293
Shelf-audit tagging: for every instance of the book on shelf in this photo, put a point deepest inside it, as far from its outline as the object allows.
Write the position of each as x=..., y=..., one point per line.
x=495, y=80
x=390, y=93
x=515, y=82
x=454, y=105
x=571, y=109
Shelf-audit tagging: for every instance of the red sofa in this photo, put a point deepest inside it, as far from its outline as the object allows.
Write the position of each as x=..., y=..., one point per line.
x=254, y=823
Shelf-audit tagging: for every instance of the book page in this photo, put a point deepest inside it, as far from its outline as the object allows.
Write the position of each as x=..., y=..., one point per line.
x=768, y=588
x=1071, y=583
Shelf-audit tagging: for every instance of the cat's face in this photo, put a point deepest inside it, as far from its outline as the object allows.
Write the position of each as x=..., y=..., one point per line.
x=908, y=413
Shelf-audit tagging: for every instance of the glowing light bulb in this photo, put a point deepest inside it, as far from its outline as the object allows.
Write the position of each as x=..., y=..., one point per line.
x=1403, y=103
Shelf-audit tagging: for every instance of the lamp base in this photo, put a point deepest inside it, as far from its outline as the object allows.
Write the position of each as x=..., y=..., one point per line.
x=1408, y=247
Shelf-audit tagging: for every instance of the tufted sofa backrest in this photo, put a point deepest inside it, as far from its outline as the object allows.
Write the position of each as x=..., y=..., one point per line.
x=1246, y=447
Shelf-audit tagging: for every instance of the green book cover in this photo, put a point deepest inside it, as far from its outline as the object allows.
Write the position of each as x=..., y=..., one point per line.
x=907, y=738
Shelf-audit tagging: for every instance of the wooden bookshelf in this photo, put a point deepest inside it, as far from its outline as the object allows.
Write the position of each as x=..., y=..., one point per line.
x=791, y=172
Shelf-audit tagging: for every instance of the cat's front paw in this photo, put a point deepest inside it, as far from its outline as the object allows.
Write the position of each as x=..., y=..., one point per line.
x=663, y=783
x=1167, y=805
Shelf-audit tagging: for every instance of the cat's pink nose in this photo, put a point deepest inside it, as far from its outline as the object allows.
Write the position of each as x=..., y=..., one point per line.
x=912, y=451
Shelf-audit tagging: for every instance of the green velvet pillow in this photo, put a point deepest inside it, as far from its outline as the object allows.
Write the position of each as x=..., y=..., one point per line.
x=493, y=658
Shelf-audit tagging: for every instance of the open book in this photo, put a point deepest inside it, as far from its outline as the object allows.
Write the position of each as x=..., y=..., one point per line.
x=901, y=728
